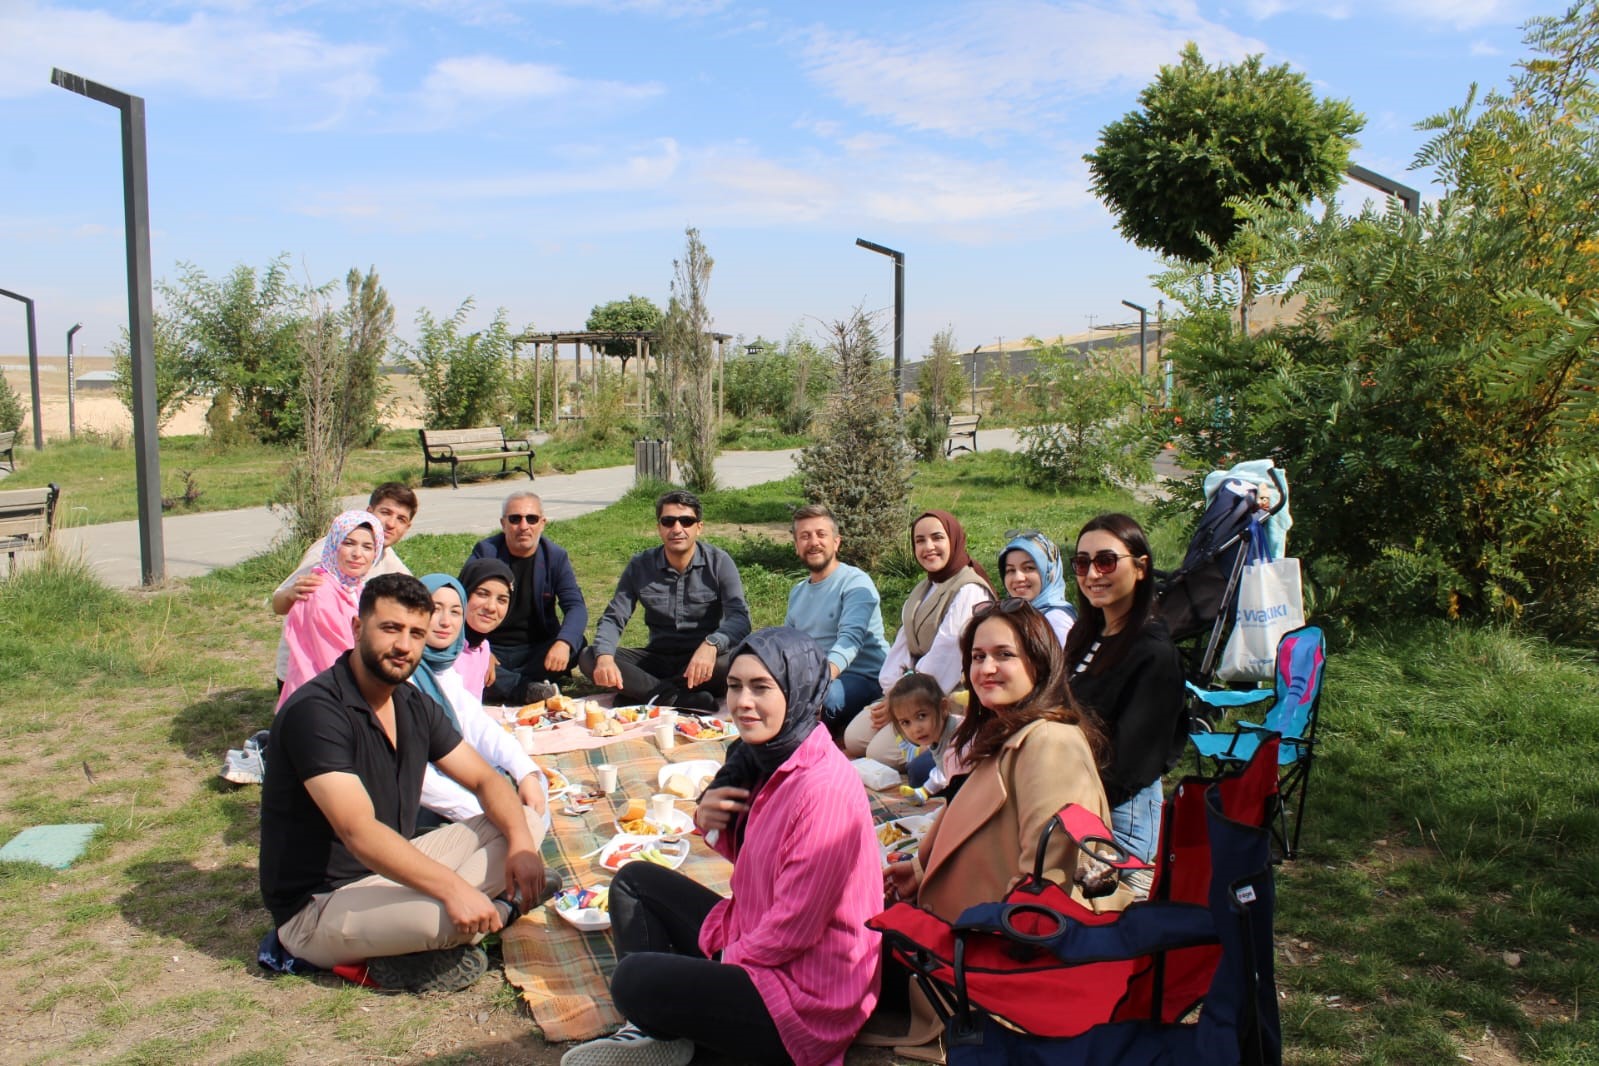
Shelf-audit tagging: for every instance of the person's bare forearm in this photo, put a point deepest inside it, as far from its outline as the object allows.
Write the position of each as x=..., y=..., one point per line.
x=283, y=599
x=504, y=808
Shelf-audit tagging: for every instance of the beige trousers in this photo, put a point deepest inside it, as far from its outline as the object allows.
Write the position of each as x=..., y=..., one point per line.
x=376, y=917
x=860, y=739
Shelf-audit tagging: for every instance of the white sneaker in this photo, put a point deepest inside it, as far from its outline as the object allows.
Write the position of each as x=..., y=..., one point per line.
x=629, y=1047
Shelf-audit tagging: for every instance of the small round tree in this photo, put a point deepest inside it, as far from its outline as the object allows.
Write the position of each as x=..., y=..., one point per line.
x=1205, y=137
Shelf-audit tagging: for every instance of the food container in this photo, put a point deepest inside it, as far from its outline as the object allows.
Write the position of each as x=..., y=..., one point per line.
x=875, y=775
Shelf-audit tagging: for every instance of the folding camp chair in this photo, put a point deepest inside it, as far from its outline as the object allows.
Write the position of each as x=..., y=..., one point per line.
x=1041, y=978
x=1301, y=666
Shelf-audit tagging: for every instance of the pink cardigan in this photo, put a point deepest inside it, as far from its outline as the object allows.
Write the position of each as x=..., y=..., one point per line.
x=317, y=631
x=472, y=666
x=807, y=877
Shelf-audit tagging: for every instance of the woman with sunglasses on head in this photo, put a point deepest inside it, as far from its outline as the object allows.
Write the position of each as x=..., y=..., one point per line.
x=488, y=584
x=1031, y=751
x=931, y=622
x=1031, y=567
x=1126, y=670
x=783, y=970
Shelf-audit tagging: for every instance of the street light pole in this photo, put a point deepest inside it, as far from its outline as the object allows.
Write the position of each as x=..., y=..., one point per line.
x=33, y=367
x=899, y=317
x=72, y=387
x=141, y=345
x=1143, y=335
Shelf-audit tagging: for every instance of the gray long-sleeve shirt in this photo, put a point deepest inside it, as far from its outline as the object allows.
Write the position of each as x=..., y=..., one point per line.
x=681, y=609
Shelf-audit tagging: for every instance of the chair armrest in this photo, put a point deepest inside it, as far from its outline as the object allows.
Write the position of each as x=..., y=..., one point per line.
x=1230, y=697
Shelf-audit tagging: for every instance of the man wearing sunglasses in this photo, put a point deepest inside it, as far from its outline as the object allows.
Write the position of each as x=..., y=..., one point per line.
x=694, y=610
x=534, y=646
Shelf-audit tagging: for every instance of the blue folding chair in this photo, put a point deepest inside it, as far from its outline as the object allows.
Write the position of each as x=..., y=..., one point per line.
x=1301, y=664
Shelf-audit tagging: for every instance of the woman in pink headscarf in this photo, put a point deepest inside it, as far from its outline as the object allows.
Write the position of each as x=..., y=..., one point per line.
x=317, y=628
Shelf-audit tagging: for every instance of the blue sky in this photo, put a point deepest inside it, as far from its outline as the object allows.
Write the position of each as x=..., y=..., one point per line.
x=546, y=156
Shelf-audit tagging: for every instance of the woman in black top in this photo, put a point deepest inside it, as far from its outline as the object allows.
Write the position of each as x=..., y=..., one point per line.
x=1126, y=669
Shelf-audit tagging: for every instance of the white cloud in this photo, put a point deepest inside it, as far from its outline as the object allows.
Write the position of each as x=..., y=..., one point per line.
x=209, y=56
x=1012, y=66
x=464, y=81
x=662, y=8
x=1485, y=48
x=1456, y=14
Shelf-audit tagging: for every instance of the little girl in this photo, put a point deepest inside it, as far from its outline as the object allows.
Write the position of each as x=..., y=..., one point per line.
x=317, y=629
x=924, y=725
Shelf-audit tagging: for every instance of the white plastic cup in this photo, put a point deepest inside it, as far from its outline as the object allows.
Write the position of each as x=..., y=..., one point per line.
x=667, y=717
x=662, y=804
x=607, y=774
x=524, y=737
x=665, y=736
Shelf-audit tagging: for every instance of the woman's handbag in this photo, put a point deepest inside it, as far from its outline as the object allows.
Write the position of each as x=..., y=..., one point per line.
x=1271, y=604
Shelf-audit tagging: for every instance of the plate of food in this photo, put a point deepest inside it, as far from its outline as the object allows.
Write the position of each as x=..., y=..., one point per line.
x=589, y=909
x=687, y=779
x=558, y=781
x=678, y=824
x=900, y=838
x=704, y=727
x=626, y=847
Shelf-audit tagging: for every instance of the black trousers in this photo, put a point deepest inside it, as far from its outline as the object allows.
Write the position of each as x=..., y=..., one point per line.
x=643, y=672
x=520, y=666
x=666, y=986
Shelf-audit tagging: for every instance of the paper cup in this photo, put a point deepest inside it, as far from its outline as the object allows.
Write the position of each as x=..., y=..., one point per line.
x=607, y=774
x=524, y=737
x=667, y=716
x=665, y=736
x=662, y=804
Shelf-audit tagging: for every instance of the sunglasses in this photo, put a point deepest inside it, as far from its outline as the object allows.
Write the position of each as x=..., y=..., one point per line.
x=1009, y=605
x=1103, y=562
x=530, y=519
x=667, y=521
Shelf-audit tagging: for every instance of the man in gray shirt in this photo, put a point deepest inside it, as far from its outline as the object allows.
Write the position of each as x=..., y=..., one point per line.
x=694, y=610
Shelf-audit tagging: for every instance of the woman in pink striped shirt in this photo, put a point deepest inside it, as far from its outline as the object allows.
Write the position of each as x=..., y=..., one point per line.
x=785, y=970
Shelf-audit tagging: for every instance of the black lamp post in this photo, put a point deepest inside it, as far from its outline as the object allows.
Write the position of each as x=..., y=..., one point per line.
x=1143, y=334
x=33, y=367
x=141, y=345
x=899, y=316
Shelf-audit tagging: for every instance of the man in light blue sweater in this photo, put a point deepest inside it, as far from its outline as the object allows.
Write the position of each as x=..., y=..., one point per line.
x=838, y=606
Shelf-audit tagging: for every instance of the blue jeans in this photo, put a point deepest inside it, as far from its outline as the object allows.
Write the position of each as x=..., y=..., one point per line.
x=847, y=694
x=1136, y=825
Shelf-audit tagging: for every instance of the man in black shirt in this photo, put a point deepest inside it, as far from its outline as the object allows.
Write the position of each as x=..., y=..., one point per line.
x=532, y=645
x=339, y=872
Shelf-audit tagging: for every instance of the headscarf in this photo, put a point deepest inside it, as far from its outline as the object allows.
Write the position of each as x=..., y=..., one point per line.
x=437, y=659
x=342, y=526
x=473, y=574
x=958, y=556
x=1046, y=556
x=796, y=664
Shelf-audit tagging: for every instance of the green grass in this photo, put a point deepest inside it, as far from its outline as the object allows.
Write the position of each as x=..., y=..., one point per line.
x=1454, y=814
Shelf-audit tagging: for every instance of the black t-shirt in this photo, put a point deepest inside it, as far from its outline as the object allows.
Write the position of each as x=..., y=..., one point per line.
x=327, y=727
x=524, y=619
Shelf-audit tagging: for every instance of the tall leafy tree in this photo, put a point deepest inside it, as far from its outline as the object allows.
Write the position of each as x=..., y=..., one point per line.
x=368, y=326
x=172, y=387
x=462, y=375
x=1204, y=137
x=634, y=314
x=688, y=354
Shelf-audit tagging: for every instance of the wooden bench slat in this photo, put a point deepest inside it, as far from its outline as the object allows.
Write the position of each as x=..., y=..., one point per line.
x=26, y=519
x=961, y=428
x=479, y=444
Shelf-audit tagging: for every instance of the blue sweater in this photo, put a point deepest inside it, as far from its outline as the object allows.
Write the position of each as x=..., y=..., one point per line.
x=844, y=615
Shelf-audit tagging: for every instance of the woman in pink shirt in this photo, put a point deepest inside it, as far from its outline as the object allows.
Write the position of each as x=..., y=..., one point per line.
x=785, y=970
x=317, y=629
x=488, y=585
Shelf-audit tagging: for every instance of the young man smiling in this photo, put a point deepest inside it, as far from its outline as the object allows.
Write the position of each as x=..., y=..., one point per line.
x=694, y=610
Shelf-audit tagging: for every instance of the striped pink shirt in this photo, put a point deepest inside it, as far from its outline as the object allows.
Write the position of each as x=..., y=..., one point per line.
x=807, y=877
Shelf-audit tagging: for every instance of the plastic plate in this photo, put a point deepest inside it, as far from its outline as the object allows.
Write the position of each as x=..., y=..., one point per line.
x=626, y=847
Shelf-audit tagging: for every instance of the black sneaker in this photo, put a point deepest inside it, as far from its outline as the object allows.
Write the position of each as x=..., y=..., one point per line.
x=444, y=970
x=539, y=691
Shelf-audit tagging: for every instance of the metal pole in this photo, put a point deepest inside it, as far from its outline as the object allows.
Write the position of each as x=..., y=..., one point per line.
x=899, y=317
x=136, y=212
x=1143, y=336
x=33, y=366
x=72, y=387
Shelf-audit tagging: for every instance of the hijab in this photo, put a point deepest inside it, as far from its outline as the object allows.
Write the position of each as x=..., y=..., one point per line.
x=958, y=556
x=342, y=526
x=796, y=664
x=434, y=659
x=473, y=574
x=1052, y=574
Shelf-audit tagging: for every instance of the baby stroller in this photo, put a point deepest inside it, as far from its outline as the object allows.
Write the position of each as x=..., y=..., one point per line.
x=1040, y=979
x=1199, y=598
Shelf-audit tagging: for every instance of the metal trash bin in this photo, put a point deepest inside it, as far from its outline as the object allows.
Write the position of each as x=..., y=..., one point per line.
x=652, y=460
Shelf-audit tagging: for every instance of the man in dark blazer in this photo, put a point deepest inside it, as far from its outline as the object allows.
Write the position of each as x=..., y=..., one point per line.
x=533, y=646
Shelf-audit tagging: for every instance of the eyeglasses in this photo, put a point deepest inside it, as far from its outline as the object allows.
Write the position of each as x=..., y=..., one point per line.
x=530, y=519
x=1103, y=562
x=667, y=521
x=1009, y=605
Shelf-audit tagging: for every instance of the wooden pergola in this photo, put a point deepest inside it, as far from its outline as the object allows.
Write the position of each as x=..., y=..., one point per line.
x=593, y=339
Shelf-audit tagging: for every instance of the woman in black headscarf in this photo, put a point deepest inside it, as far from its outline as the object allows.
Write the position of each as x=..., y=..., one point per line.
x=784, y=970
x=488, y=587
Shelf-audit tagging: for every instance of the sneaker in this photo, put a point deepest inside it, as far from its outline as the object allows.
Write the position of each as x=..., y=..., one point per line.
x=629, y=1047
x=243, y=766
x=539, y=691
x=444, y=970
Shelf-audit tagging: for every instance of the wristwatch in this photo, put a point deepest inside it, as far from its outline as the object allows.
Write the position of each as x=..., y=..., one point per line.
x=717, y=641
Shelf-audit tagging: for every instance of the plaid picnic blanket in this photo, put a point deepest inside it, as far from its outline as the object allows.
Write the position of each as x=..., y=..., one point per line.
x=564, y=974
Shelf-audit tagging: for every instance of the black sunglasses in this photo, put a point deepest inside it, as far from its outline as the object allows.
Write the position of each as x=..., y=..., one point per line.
x=1009, y=605
x=1103, y=562
x=684, y=520
x=518, y=519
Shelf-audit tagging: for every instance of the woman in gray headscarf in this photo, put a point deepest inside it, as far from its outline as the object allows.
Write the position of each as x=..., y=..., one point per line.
x=784, y=970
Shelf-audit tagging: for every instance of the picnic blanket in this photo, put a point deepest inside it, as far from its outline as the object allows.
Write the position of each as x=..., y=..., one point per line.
x=564, y=974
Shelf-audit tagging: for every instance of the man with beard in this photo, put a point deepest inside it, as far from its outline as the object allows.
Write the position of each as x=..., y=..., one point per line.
x=339, y=871
x=840, y=609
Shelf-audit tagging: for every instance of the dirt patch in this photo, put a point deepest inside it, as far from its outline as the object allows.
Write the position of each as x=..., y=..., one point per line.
x=1490, y=1049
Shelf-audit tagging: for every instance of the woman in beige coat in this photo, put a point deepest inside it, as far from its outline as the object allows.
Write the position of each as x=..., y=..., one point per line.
x=1031, y=751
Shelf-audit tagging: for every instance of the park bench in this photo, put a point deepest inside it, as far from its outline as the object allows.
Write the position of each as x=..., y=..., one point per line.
x=26, y=518
x=961, y=428
x=483, y=444
x=8, y=451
